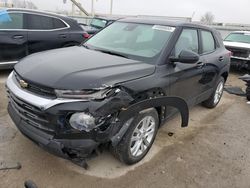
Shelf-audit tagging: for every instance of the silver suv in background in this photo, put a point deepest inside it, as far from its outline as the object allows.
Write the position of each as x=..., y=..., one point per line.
x=238, y=43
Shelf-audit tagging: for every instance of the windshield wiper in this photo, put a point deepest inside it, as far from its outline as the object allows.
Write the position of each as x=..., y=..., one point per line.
x=112, y=53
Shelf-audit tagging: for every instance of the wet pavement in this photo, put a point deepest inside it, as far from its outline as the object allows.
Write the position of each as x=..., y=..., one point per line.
x=212, y=152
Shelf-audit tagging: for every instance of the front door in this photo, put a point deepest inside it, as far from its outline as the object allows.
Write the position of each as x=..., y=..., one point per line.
x=185, y=79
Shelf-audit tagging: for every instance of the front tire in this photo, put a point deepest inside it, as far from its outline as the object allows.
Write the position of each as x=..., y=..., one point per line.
x=215, y=98
x=139, y=138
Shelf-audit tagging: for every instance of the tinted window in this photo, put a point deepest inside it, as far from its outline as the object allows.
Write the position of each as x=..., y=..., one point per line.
x=188, y=40
x=11, y=20
x=208, y=43
x=58, y=23
x=38, y=22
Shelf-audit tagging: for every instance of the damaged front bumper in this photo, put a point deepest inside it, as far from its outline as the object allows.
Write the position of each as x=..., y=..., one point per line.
x=61, y=147
x=46, y=121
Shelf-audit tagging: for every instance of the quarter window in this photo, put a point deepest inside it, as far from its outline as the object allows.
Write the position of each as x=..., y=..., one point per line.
x=38, y=22
x=208, y=43
x=11, y=20
x=188, y=40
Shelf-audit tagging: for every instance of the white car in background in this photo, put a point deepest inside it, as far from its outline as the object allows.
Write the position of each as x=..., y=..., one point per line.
x=238, y=42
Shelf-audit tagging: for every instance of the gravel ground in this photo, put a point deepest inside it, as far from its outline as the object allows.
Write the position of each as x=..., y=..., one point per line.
x=212, y=152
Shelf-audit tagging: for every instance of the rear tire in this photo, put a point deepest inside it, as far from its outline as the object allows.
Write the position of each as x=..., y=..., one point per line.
x=138, y=139
x=215, y=98
x=248, y=93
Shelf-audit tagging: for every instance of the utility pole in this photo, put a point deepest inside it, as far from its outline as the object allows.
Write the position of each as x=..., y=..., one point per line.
x=79, y=6
x=111, y=7
x=92, y=8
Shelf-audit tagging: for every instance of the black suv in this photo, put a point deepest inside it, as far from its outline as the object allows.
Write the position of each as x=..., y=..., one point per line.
x=118, y=88
x=23, y=32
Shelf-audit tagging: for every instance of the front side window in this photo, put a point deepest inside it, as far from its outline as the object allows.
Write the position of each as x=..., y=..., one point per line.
x=208, y=43
x=238, y=37
x=138, y=41
x=188, y=40
x=11, y=20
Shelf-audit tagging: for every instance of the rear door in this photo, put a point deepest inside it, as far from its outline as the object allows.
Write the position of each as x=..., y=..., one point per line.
x=46, y=32
x=214, y=58
x=13, y=36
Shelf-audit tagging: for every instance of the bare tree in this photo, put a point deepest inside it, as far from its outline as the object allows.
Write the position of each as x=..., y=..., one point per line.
x=208, y=18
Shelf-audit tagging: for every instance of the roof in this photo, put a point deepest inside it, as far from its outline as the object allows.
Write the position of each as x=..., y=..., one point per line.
x=163, y=21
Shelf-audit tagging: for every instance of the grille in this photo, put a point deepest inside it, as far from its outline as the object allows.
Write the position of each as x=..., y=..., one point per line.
x=239, y=52
x=29, y=113
x=39, y=90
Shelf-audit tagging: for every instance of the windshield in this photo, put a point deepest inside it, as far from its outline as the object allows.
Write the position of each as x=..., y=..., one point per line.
x=133, y=40
x=98, y=23
x=238, y=37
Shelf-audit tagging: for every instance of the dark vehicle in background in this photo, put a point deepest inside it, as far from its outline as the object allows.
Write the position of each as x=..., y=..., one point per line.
x=23, y=32
x=118, y=88
x=98, y=23
x=238, y=43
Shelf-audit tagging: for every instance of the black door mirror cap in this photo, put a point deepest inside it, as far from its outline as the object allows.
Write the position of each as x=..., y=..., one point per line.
x=186, y=56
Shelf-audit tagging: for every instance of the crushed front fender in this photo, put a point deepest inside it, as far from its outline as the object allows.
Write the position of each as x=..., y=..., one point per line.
x=126, y=115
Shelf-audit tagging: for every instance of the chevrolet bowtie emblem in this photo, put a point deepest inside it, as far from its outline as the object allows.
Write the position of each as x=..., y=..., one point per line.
x=23, y=84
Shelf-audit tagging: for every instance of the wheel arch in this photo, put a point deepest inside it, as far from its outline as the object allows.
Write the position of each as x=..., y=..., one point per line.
x=225, y=75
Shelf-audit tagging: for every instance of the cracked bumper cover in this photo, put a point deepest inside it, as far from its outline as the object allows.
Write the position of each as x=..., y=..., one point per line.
x=47, y=141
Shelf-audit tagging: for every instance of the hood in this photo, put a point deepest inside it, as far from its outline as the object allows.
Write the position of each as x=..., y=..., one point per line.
x=80, y=68
x=237, y=44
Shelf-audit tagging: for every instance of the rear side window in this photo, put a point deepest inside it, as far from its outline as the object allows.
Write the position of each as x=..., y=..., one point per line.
x=58, y=23
x=38, y=22
x=11, y=20
x=188, y=40
x=208, y=43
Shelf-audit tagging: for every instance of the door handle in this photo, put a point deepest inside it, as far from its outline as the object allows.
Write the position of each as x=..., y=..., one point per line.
x=200, y=64
x=18, y=37
x=221, y=58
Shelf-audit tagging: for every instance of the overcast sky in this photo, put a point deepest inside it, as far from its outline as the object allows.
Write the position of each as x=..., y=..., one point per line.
x=231, y=11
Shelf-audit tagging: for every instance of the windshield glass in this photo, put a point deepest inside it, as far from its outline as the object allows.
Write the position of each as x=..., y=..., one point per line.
x=136, y=41
x=238, y=37
x=98, y=23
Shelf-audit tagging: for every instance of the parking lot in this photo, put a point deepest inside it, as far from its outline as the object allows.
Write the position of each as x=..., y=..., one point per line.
x=212, y=152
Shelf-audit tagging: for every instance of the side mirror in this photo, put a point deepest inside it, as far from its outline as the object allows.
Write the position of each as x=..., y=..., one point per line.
x=186, y=56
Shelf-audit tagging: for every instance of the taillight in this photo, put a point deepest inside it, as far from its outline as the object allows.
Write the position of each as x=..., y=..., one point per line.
x=86, y=35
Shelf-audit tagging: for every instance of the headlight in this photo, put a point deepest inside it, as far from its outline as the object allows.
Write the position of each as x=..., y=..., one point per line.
x=82, y=122
x=82, y=94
